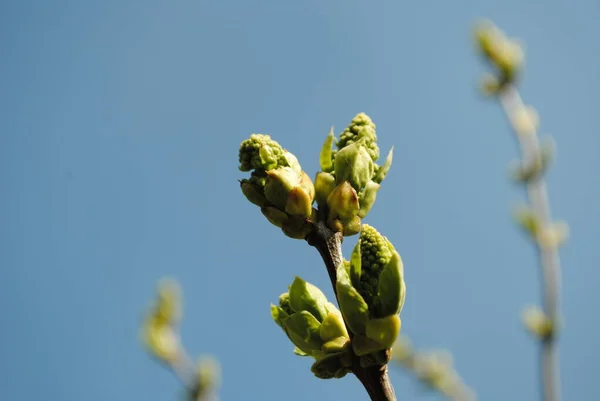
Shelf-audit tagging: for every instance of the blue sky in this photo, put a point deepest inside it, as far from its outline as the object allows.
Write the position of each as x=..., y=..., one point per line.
x=120, y=122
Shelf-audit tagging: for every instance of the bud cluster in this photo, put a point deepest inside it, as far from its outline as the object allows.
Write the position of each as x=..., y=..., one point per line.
x=277, y=185
x=316, y=327
x=505, y=54
x=371, y=294
x=348, y=183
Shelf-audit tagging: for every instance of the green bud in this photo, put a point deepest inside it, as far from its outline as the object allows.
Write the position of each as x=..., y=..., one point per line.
x=289, y=191
x=299, y=203
x=313, y=324
x=382, y=171
x=362, y=345
x=383, y=294
x=292, y=162
x=284, y=302
x=385, y=330
x=260, y=152
x=351, y=226
x=305, y=296
x=275, y=216
x=253, y=193
x=354, y=164
x=279, y=184
x=324, y=184
x=361, y=127
x=333, y=327
x=299, y=352
x=278, y=314
x=332, y=366
x=307, y=184
x=343, y=202
x=303, y=329
x=326, y=156
x=391, y=285
x=353, y=306
x=298, y=227
x=371, y=292
x=367, y=198
x=336, y=345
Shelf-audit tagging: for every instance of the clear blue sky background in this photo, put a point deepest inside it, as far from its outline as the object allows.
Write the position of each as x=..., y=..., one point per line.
x=120, y=122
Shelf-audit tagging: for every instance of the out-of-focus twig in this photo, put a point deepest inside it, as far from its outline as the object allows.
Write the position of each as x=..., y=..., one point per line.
x=433, y=368
x=160, y=334
x=506, y=56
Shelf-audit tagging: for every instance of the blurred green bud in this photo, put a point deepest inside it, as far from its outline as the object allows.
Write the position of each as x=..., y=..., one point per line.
x=402, y=349
x=313, y=324
x=208, y=374
x=371, y=292
x=536, y=166
x=538, y=323
x=435, y=370
x=159, y=330
x=168, y=305
x=528, y=220
x=503, y=53
x=490, y=85
x=161, y=340
x=277, y=185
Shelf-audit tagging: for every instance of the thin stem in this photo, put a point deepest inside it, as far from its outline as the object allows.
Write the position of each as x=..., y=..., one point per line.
x=329, y=244
x=549, y=260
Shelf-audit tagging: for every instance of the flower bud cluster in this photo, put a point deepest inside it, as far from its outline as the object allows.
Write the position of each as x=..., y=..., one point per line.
x=277, y=185
x=316, y=327
x=371, y=292
x=348, y=183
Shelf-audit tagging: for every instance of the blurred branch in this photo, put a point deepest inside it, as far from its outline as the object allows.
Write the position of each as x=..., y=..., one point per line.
x=433, y=369
x=506, y=56
x=160, y=334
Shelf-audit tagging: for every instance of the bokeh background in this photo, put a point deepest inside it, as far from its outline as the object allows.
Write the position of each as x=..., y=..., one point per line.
x=120, y=122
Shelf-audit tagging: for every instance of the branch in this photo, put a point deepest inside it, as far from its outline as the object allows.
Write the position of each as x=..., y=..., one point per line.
x=329, y=244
